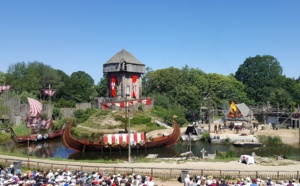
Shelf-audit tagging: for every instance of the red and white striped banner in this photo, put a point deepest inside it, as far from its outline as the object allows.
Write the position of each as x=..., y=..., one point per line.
x=49, y=92
x=35, y=107
x=4, y=87
x=107, y=105
x=120, y=138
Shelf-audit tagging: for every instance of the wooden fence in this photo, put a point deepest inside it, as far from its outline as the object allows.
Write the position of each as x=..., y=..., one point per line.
x=161, y=173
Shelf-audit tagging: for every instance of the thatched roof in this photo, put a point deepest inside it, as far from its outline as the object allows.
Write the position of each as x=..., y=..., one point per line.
x=123, y=55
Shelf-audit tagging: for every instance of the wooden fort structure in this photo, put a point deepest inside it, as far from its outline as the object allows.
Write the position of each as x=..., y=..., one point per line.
x=124, y=83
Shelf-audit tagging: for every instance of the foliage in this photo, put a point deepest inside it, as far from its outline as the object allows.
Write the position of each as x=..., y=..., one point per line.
x=225, y=155
x=119, y=118
x=58, y=124
x=260, y=75
x=79, y=87
x=205, y=136
x=4, y=135
x=227, y=141
x=82, y=115
x=102, y=88
x=270, y=140
x=102, y=113
x=22, y=130
x=56, y=113
x=187, y=88
x=140, y=120
x=44, y=115
x=161, y=101
x=4, y=110
x=31, y=77
x=225, y=88
x=62, y=103
x=166, y=114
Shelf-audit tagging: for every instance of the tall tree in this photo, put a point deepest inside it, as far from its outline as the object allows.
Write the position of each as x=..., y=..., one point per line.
x=31, y=77
x=80, y=87
x=102, y=88
x=260, y=75
x=222, y=89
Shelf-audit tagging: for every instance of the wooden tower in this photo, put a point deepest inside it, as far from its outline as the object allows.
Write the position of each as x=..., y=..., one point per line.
x=124, y=76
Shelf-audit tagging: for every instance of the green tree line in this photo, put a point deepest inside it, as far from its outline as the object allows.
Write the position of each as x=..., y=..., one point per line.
x=257, y=81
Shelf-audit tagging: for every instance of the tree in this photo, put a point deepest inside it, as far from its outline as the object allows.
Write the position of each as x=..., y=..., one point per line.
x=102, y=88
x=79, y=87
x=31, y=77
x=260, y=75
x=222, y=89
x=146, y=81
x=2, y=77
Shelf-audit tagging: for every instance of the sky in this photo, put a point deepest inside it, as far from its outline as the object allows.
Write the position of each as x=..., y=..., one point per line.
x=215, y=36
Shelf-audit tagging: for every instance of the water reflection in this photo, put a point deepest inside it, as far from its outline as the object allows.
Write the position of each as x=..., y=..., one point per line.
x=56, y=148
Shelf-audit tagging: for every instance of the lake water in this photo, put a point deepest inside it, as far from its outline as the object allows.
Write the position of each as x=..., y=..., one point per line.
x=56, y=148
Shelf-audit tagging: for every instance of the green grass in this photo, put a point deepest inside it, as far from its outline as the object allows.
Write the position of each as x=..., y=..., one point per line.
x=269, y=140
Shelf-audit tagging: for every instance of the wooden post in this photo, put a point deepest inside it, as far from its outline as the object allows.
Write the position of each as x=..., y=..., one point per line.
x=203, y=151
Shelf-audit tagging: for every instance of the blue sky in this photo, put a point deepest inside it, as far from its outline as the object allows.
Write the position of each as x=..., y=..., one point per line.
x=215, y=36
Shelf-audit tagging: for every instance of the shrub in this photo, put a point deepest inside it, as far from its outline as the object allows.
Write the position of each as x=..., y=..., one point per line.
x=140, y=120
x=82, y=115
x=225, y=155
x=276, y=140
x=205, y=136
x=56, y=113
x=102, y=113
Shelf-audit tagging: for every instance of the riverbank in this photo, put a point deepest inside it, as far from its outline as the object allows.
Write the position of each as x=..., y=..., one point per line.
x=288, y=136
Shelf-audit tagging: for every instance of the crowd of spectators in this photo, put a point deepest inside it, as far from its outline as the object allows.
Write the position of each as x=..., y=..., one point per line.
x=14, y=177
x=211, y=181
x=11, y=176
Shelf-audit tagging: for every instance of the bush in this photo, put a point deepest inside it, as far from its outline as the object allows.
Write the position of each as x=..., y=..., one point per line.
x=225, y=155
x=276, y=140
x=205, y=136
x=140, y=120
x=82, y=115
x=62, y=103
x=102, y=113
x=167, y=114
x=56, y=113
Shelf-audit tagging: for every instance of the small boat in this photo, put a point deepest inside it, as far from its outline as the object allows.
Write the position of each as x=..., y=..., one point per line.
x=247, y=144
x=33, y=137
x=120, y=141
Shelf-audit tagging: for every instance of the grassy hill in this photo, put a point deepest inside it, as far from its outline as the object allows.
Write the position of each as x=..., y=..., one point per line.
x=92, y=123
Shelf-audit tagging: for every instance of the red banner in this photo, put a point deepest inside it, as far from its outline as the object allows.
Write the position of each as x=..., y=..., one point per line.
x=113, y=88
x=134, y=78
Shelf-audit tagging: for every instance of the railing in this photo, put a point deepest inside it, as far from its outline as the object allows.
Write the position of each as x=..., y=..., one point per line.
x=161, y=173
